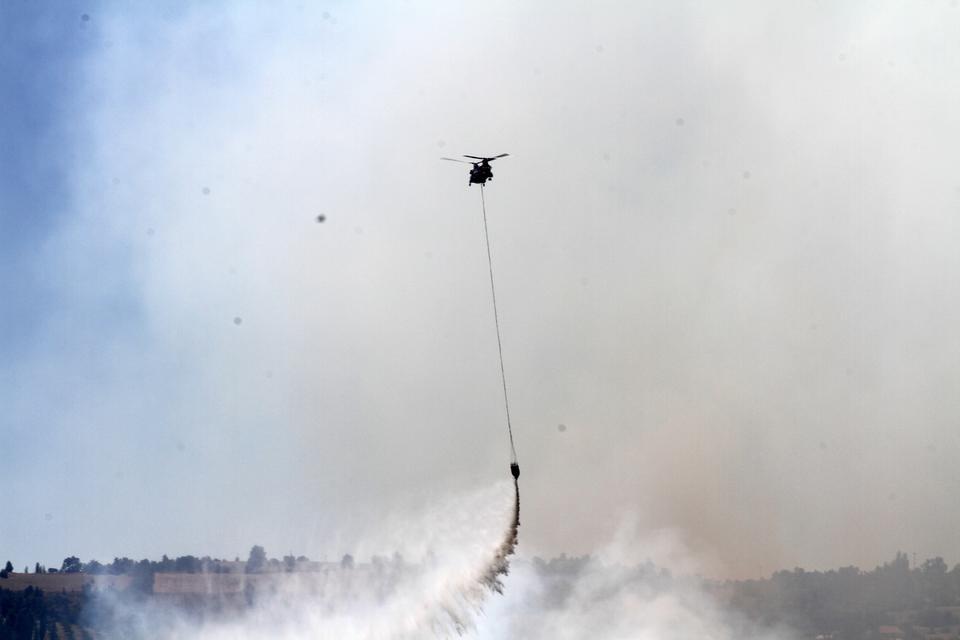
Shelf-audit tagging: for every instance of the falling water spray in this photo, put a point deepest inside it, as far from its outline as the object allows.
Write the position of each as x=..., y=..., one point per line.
x=500, y=565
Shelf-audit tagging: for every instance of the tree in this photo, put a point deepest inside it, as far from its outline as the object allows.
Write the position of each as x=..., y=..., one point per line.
x=346, y=562
x=187, y=564
x=257, y=559
x=121, y=566
x=935, y=583
x=37, y=568
x=9, y=567
x=934, y=566
x=142, y=572
x=71, y=564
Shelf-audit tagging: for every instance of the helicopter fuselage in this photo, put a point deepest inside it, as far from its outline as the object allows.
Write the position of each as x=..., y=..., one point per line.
x=480, y=173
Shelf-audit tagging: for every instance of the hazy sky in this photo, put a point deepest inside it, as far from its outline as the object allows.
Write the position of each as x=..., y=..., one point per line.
x=726, y=248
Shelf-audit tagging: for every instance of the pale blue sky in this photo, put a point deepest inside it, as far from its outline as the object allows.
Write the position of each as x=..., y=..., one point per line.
x=42, y=48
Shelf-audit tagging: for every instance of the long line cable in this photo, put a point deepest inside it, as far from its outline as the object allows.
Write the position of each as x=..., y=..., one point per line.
x=496, y=320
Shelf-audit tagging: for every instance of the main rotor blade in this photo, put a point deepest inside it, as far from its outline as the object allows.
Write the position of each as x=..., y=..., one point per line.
x=487, y=159
x=455, y=160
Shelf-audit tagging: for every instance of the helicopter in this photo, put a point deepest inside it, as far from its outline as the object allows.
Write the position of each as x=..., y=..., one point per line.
x=481, y=171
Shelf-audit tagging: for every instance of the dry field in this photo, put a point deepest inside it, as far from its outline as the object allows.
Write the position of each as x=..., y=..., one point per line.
x=58, y=582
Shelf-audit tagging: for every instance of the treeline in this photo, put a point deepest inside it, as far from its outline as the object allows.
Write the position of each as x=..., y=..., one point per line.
x=127, y=566
x=849, y=602
x=32, y=614
x=845, y=604
x=182, y=564
x=257, y=562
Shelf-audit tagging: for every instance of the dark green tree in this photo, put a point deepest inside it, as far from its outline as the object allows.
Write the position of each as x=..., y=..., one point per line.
x=257, y=559
x=9, y=567
x=71, y=564
x=187, y=564
x=121, y=566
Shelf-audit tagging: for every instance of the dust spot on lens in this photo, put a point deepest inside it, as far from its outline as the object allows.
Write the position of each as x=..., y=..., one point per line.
x=206, y=191
x=150, y=232
x=85, y=17
x=561, y=427
x=321, y=218
x=731, y=212
x=746, y=175
x=238, y=321
x=680, y=122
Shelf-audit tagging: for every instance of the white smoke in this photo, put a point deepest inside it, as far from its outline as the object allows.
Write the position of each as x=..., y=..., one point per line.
x=442, y=593
x=459, y=553
x=607, y=597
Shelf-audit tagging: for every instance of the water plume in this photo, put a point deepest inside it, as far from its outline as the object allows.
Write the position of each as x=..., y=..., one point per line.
x=463, y=553
x=490, y=579
x=500, y=566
